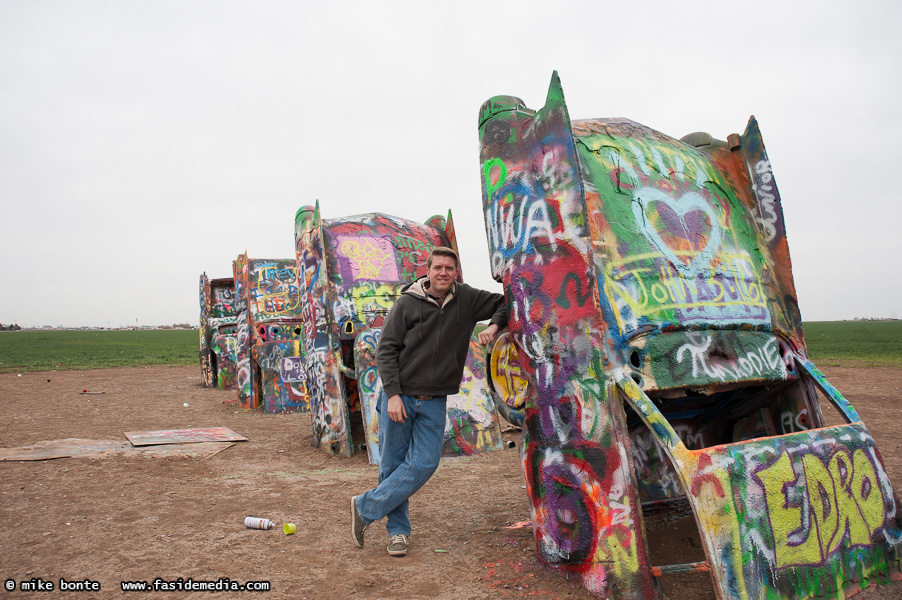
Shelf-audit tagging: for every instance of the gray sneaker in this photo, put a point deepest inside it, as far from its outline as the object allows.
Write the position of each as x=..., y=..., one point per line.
x=358, y=527
x=397, y=544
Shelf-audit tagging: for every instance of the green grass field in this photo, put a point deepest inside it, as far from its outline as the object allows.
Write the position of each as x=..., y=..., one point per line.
x=834, y=343
x=830, y=343
x=45, y=350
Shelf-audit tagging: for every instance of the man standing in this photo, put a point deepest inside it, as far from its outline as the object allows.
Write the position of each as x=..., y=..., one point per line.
x=420, y=357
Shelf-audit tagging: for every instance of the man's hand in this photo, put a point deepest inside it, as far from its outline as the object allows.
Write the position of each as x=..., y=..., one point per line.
x=487, y=335
x=396, y=410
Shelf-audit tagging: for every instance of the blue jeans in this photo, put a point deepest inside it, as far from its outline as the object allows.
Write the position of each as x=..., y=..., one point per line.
x=410, y=453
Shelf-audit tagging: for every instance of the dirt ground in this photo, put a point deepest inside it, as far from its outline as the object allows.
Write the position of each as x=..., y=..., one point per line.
x=131, y=517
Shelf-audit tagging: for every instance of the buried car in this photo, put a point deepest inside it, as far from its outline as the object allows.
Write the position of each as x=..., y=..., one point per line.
x=269, y=336
x=656, y=358
x=217, y=332
x=351, y=271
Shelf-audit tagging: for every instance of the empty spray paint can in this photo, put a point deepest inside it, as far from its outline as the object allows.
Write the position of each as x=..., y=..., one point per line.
x=257, y=523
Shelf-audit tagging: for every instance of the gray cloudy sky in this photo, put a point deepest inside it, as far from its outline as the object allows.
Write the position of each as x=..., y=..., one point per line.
x=144, y=142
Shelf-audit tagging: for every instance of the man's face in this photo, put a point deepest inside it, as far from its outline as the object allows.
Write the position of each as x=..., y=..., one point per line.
x=441, y=275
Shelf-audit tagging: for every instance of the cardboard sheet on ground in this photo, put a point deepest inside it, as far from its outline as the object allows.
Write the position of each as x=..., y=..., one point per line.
x=182, y=436
x=78, y=448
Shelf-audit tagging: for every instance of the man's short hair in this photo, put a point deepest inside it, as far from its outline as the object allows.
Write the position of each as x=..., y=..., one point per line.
x=443, y=251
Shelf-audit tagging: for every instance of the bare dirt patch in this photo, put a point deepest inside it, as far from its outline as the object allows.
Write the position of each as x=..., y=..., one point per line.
x=135, y=518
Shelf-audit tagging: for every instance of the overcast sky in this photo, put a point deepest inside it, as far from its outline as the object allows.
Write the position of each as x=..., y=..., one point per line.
x=145, y=142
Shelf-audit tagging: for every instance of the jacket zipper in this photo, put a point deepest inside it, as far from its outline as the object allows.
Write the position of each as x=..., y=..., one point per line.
x=438, y=336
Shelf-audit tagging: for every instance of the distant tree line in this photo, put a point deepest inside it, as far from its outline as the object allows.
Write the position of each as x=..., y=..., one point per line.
x=9, y=327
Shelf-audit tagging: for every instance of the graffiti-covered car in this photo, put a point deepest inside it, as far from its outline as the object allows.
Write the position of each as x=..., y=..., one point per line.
x=217, y=332
x=659, y=361
x=351, y=270
x=269, y=336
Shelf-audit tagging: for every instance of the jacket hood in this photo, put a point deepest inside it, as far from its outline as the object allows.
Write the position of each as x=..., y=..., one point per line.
x=415, y=288
x=419, y=288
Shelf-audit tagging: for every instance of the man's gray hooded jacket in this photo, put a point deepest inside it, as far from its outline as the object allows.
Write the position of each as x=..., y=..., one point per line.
x=423, y=348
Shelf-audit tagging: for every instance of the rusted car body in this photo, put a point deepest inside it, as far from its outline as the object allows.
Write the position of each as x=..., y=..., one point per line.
x=657, y=359
x=218, y=332
x=351, y=271
x=269, y=336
